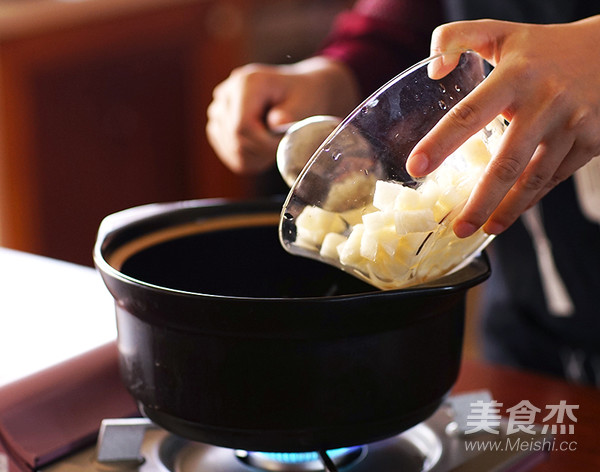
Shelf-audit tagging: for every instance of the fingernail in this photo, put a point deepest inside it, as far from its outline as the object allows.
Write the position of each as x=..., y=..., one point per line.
x=464, y=229
x=491, y=227
x=434, y=68
x=418, y=164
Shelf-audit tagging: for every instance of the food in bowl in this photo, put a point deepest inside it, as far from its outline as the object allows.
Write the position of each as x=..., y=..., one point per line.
x=404, y=236
x=355, y=205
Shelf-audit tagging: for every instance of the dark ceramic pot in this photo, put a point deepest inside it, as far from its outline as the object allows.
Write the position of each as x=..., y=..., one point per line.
x=227, y=339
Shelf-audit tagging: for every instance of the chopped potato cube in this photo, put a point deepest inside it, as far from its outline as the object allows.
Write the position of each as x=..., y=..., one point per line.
x=408, y=199
x=414, y=221
x=388, y=239
x=330, y=245
x=429, y=191
x=475, y=151
x=368, y=245
x=313, y=223
x=378, y=220
x=400, y=235
x=350, y=250
x=385, y=194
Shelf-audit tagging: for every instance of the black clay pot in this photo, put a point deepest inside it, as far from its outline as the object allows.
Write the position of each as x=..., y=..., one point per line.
x=227, y=339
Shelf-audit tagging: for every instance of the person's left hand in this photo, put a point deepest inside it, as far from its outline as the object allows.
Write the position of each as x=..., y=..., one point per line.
x=546, y=83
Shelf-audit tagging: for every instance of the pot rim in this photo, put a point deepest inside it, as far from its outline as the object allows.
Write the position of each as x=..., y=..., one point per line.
x=122, y=221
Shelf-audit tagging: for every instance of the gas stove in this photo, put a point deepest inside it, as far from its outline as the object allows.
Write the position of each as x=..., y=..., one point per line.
x=136, y=444
x=435, y=445
x=71, y=412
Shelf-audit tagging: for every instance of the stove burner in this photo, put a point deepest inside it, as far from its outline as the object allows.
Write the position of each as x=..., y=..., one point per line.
x=141, y=446
x=417, y=450
x=300, y=461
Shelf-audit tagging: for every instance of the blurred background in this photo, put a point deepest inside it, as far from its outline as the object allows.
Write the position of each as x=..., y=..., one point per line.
x=103, y=105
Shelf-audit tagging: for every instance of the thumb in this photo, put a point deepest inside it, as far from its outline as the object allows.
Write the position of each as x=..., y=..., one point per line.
x=292, y=108
x=279, y=116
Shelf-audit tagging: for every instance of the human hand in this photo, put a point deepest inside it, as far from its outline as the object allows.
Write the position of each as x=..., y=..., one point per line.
x=257, y=99
x=546, y=82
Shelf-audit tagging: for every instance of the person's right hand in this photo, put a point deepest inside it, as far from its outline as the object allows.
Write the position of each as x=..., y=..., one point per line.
x=546, y=82
x=255, y=100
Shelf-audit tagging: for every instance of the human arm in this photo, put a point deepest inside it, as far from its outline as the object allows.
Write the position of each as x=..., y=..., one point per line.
x=367, y=46
x=546, y=82
x=257, y=99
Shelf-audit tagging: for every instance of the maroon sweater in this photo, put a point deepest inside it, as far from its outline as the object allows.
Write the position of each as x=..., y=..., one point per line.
x=378, y=39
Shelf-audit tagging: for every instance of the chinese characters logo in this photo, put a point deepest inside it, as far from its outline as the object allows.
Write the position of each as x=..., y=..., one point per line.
x=485, y=416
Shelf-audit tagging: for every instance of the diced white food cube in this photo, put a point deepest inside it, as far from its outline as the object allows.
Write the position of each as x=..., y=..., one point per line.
x=377, y=220
x=388, y=238
x=475, y=151
x=385, y=194
x=408, y=246
x=448, y=252
x=313, y=223
x=331, y=241
x=349, y=251
x=429, y=192
x=408, y=199
x=369, y=245
x=413, y=221
x=355, y=188
x=309, y=238
x=492, y=135
x=306, y=244
x=315, y=218
x=449, y=200
x=392, y=267
x=379, y=232
x=440, y=257
x=447, y=176
x=381, y=269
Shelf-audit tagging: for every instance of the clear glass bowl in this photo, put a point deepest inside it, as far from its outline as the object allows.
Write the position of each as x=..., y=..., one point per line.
x=355, y=206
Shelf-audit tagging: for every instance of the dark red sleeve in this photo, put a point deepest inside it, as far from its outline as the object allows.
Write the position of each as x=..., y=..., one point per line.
x=378, y=39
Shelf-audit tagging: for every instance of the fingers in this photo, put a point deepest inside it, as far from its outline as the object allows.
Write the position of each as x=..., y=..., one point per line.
x=467, y=117
x=486, y=37
x=512, y=185
x=500, y=175
x=539, y=150
x=481, y=106
x=532, y=150
x=540, y=176
x=547, y=93
x=236, y=127
x=256, y=99
x=442, y=64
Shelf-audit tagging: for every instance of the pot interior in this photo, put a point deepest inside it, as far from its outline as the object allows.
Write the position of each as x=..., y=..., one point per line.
x=245, y=260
